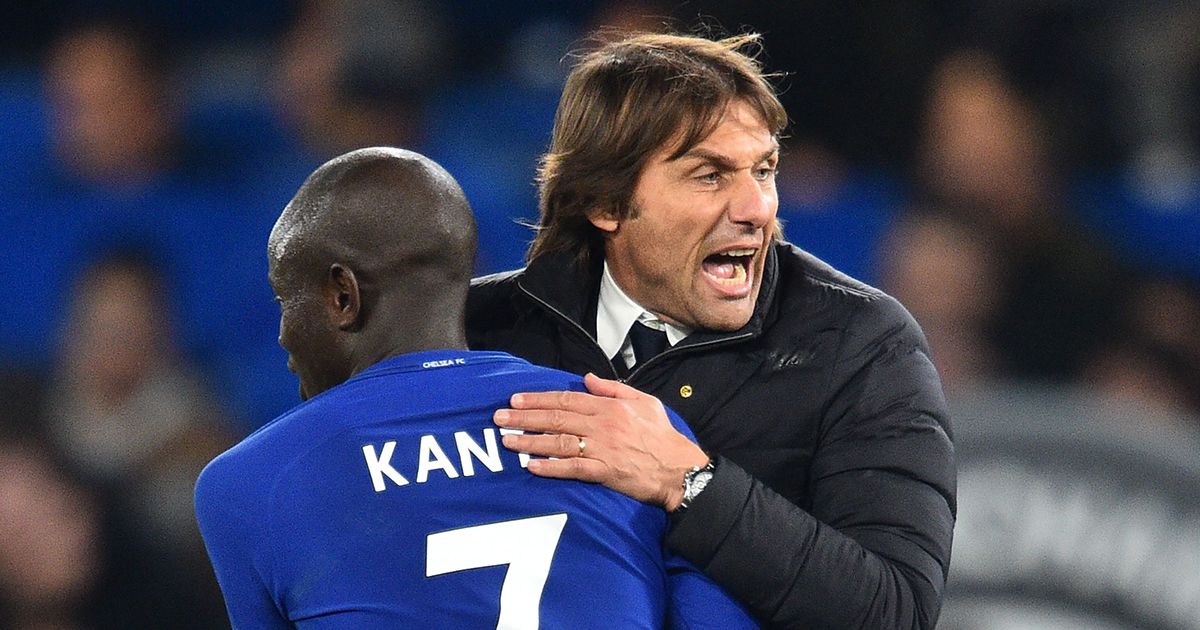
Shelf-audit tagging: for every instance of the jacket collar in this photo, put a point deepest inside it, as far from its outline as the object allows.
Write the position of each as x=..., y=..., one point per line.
x=559, y=282
x=556, y=280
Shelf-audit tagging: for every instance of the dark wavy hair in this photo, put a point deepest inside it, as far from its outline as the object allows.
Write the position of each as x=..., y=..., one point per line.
x=626, y=101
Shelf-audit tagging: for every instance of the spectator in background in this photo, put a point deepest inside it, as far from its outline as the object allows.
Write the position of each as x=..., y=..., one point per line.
x=126, y=165
x=985, y=155
x=49, y=533
x=1154, y=361
x=114, y=123
x=113, y=139
x=947, y=275
x=1167, y=311
x=357, y=74
x=135, y=423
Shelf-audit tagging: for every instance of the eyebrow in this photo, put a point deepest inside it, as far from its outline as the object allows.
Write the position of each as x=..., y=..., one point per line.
x=722, y=161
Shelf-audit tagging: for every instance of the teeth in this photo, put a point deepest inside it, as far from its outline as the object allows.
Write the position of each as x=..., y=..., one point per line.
x=730, y=267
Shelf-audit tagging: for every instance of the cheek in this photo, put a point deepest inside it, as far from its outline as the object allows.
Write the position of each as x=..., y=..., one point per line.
x=649, y=252
x=294, y=334
x=667, y=242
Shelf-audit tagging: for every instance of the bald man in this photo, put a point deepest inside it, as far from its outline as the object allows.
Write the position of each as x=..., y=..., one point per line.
x=384, y=499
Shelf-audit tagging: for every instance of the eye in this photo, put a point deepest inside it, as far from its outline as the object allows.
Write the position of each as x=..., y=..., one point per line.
x=764, y=173
x=711, y=177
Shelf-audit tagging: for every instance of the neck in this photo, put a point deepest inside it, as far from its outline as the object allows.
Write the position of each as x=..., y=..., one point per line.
x=407, y=342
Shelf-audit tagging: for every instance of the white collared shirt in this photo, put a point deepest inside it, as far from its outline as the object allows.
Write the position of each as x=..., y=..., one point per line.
x=615, y=315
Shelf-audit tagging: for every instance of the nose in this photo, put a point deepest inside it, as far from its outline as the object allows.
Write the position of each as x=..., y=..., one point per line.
x=753, y=201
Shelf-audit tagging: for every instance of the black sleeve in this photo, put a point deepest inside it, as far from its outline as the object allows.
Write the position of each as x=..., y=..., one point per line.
x=875, y=548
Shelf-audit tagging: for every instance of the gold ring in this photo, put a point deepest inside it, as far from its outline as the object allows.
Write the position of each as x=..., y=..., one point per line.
x=582, y=445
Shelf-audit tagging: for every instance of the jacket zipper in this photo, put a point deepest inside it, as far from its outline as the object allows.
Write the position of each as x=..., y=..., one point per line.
x=576, y=325
x=600, y=350
x=690, y=346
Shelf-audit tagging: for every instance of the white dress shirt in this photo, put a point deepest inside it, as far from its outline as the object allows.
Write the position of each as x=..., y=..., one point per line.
x=615, y=315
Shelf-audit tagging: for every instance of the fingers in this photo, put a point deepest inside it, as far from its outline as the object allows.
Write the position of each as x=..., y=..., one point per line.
x=609, y=389
x=569, y=463
x=580, y=468
x=560, y=446
x=578, y=402
x=543, y=420
x=575, y=402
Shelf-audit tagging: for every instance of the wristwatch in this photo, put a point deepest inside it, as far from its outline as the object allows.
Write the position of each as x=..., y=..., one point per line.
x=694, y=482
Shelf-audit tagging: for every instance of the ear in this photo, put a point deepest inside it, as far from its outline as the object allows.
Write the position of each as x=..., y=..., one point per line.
x=343, y=297
x=605, y=220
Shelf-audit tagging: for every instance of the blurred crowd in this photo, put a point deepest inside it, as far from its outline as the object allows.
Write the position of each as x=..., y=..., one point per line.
x=1023, y=176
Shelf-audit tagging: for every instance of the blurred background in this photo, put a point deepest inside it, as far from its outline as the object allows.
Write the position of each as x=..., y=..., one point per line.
x=1024, y=175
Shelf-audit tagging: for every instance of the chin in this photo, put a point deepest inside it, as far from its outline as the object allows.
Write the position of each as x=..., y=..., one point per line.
x=725, y=320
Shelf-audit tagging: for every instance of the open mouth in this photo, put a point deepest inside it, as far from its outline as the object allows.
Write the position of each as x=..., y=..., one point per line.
x=730, y=268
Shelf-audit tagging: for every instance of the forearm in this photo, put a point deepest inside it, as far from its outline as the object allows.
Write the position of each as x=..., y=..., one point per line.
x=793, y=571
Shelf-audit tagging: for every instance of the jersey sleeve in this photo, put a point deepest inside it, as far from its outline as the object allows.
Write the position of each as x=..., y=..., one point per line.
x=698, y=603
x=231, y=523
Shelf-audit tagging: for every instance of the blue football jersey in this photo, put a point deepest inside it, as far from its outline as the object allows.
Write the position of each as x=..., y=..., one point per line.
x=389, y=502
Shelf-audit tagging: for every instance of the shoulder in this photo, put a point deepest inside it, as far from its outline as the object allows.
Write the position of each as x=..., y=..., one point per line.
x=811, y=286
x=490, y=301
x=230, y=501
x=243, y=476
x=235, y=477
x=526, y=376
x=800, y=269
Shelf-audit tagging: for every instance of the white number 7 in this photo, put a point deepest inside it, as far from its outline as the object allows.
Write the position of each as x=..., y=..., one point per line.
x=526, y=545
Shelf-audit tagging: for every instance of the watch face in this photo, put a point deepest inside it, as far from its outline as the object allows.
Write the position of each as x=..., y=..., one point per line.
x=698, y=483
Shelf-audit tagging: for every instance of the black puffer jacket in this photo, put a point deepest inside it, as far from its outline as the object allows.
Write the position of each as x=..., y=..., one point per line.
x=834, y=499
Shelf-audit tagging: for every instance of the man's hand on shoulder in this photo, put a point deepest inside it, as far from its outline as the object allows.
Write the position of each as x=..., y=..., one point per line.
x=615, y=435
